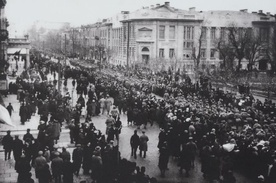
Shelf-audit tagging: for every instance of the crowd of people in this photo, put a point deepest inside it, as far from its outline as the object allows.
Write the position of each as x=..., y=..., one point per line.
x=228, y=130
x=224, y=130
x=95, y=152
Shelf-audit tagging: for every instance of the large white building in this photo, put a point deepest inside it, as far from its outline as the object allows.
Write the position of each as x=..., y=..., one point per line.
x=164, y=36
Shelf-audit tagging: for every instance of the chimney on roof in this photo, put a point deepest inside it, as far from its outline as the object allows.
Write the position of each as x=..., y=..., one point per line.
x=167, y=3
x=192, y=9
x=244, y=10
x=157, y=5
x=260, y=11
x=254, y=12
x=268, y=13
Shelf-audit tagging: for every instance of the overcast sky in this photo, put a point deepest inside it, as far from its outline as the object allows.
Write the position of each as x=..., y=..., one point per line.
x=22, y=13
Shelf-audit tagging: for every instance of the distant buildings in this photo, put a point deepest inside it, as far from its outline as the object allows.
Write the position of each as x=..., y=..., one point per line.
x=162, y=36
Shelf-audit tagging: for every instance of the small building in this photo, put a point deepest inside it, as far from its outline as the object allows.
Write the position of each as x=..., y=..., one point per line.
x=18, y=54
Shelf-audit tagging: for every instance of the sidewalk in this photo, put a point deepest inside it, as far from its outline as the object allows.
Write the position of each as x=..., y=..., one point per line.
x=32, y=124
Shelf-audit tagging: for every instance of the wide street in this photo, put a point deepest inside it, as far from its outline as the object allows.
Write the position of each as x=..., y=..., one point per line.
x=8, y=174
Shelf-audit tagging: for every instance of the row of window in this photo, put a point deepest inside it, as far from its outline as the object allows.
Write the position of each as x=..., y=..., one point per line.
x=185, y=55
x=162, y=53
x=187, y=34
x=263, y=33
x=203, y=53
x=123, y=51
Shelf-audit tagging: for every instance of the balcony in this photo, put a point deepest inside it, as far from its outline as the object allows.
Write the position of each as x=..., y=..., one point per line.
x=4, y=34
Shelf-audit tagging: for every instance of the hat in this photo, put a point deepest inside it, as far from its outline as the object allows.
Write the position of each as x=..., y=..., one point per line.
x=55, y=146
x=56, y=153
x=40, y=153
x=190, y=138
x=261, y=177
x=78, y=145
x=98, y=148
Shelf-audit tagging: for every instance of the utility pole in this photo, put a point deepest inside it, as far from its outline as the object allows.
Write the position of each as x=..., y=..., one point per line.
x=128, y=31
x=65, y=42
x=100, y=51
x=73, y=40
x=59, y=83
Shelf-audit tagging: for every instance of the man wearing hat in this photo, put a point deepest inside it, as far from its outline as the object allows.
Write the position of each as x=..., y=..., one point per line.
x=40, y=163
x=56, y=166
x=7, y=144
x=143, y=144
x=191, y=150
x=23, y=168
x=134, y=143
x=17, y=148
x=77, y=158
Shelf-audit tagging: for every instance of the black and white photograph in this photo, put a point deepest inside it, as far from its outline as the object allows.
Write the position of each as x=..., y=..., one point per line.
x=137, y=91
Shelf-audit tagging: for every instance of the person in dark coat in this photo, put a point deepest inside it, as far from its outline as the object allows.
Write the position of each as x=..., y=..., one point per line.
x=163, y=158
x=74, y=83
x=96, y=166
x=134, y=143
x=45, y=174
x=143, y=144
x=17, y=148
x=40, y=163
x=87, y=155
x=10, y=109
x=214, y=170
x=118, y=127
x=77, y=158
x=65, y=155
x=28, y=137
x=23, y=168
x=7, y=143
x=56, y=166
x=185, y=161
x=23, y=113
x=68, y=170
x=191, y=148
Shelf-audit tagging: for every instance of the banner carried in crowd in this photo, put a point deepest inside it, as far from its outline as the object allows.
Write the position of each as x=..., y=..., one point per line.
x=5, y=116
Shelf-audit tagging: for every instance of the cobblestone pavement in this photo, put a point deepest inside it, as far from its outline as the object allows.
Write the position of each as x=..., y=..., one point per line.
x=8, y=174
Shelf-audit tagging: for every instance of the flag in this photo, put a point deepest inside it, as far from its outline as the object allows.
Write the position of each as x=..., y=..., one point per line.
x=17, y=53
x=5, y=117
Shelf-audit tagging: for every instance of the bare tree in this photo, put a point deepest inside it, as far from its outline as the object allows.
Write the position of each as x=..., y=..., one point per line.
x=196, y=55
x=253, y=50
x=271, y=49
x=239, y=39
x=226, y=53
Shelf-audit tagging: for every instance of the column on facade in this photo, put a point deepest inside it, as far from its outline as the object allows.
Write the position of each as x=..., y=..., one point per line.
x=208, y=45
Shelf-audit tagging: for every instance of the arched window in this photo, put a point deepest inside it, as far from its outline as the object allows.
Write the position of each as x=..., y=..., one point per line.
x=145, y=49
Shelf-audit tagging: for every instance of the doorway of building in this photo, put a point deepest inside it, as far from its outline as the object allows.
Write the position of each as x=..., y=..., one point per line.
x=145, y=59
x=145, y=55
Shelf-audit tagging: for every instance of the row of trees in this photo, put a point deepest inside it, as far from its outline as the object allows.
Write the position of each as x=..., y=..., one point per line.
x=248, y=44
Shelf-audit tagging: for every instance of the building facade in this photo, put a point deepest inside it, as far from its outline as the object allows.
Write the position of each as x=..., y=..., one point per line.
x=18, y=53
x=162, y=36
x=3, y=36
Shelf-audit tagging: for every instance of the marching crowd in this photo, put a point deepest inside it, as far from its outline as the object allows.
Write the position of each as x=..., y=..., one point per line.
x=225, y=131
